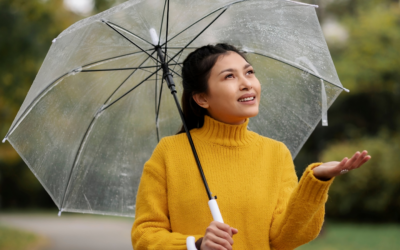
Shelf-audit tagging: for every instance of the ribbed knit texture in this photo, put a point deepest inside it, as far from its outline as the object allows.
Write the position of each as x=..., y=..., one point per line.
x=253, y=177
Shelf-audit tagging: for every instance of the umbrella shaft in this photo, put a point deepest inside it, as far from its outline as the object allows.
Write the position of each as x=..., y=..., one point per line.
x=171, y=85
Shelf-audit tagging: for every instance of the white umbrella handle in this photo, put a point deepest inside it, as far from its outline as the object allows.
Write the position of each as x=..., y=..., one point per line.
x=216, y=214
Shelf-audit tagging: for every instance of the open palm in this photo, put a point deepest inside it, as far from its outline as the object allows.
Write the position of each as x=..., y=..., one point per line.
x=331, y=169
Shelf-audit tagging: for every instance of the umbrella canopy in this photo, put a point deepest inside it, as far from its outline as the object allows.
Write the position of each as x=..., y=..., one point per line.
x=99, y=104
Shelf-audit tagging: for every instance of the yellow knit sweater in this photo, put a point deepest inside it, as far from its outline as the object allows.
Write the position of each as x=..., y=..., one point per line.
x=256, y=186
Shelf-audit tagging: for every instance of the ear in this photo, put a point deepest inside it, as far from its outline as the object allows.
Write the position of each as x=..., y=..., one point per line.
x=201, y=100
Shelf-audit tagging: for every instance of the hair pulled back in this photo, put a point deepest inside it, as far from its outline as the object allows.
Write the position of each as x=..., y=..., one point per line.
x=195, y=74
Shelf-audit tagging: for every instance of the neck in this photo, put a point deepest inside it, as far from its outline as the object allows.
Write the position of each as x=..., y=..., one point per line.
x=225, y=134
x=227, y=121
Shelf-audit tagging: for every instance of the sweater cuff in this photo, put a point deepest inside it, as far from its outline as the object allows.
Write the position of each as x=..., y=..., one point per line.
x=312, y=189
x=179, y=241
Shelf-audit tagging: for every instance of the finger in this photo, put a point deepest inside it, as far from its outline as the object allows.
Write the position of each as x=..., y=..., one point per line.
x=220, y=241
x=342, y=164
x=223, y=227
x=360, y=159
x=234, y=230
x=366, y=158
x=223, y=235
x=212, y=245
x=350, y=163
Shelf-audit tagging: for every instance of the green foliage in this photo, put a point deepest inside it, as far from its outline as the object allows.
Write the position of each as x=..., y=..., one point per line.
x=370, y=61
x=102, y=5
x=348, y=236
x=371, y=192
x=27, y=29
x=12, y=239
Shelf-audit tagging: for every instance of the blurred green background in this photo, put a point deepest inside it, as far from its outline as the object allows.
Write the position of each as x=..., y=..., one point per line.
x=364, y=39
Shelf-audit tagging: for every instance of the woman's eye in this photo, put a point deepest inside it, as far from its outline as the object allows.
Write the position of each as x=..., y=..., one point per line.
x=229, y=76
x=250, y=72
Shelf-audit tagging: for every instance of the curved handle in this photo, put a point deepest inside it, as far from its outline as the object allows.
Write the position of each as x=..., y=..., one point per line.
x=190, y=243
x=216, y=214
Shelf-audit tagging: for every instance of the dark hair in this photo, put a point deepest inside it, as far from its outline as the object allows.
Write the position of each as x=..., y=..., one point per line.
x=195, y=74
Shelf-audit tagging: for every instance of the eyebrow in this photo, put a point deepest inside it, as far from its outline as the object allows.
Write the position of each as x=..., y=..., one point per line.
x=231, y=70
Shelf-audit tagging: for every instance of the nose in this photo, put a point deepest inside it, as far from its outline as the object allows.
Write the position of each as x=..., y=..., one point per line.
x=245, y=84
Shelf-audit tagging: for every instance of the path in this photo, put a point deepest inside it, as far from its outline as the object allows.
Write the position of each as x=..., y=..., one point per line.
x=75, y=232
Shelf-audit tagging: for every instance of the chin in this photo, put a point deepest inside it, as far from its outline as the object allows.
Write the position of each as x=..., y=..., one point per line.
x=253, y=113
x=250, y=114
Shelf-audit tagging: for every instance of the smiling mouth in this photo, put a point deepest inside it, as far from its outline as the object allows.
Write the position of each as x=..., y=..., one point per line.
x=247, y=99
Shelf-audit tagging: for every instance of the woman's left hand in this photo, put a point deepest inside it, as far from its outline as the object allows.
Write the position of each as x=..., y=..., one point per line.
x=331, y=169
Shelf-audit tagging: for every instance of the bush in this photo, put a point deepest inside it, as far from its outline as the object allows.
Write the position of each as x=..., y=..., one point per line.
x=371, y=192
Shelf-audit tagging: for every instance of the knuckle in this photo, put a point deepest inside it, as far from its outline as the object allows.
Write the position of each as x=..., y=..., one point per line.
x=226, y=235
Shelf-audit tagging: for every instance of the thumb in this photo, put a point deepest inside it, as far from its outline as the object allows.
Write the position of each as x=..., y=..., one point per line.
x=234, y=230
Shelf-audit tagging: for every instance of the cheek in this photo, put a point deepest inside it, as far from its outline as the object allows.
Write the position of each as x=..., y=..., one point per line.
x=257, y=86
x=223, y=94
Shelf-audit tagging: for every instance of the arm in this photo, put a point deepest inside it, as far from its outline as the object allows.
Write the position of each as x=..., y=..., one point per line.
x=300, y=210
x=152, y=229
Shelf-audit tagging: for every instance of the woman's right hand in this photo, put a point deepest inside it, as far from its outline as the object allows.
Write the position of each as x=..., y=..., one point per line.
x=218, y=237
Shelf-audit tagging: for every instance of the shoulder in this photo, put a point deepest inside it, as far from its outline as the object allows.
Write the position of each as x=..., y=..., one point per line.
x=170, y=142
x=271, y=143
x=173, y=140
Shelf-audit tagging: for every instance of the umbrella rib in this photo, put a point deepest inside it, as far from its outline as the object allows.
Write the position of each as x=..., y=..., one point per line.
x=173, y=69
x=84, y=139
x=130, y=32
x=201, y=32
x=175, y=72
x=301, y=68
x=119, y=69
x=183, y=47
x=106, y=22
x=87, y=132
x=116, y=69
x=126, y=79
x=162, y=22
x=203, y=19
x=34, y=101
x=114, y=57
x=166, y=31
x=119, y=98
x=48, y=87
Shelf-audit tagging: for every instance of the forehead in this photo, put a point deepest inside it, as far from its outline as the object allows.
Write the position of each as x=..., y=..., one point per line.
x=230, y=60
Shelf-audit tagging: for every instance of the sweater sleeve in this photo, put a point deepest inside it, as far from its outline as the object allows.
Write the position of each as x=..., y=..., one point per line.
x=300, y=210
x=151, y=228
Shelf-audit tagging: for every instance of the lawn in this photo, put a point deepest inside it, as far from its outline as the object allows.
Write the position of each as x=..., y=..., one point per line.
x=15, y=239
x=350, y=236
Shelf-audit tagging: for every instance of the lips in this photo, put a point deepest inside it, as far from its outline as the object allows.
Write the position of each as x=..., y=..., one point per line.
x=247, y=97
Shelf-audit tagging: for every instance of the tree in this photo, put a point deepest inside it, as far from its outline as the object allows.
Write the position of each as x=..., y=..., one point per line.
x=26, y=34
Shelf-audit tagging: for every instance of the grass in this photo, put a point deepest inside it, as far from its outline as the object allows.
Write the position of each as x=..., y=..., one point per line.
x=350, y=236
x=15, y=239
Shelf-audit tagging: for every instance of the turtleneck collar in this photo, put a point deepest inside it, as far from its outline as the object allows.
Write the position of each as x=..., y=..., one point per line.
x=224, y=134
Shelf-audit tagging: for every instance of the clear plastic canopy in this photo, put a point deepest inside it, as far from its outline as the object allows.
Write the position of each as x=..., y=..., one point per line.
x=99, y=106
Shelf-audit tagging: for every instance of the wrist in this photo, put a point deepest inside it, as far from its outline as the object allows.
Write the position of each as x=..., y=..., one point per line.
x=198, y=243
x=318, y=174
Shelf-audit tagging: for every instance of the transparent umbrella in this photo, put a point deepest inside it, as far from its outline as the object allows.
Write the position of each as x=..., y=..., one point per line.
x=102, y=98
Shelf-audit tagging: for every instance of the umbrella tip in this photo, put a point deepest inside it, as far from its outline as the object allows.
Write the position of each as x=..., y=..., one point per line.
x=346, y=90
x=54, y=40
x=154, y=36
x=59, y=213
x=4, y=140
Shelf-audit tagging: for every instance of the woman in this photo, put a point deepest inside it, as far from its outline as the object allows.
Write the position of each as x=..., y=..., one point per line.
x=253, y=176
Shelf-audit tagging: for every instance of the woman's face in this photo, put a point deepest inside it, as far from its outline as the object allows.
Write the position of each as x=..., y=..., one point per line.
x=233, y=90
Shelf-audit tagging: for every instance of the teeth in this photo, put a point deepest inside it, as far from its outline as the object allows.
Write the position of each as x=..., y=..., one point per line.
x=246, y=99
